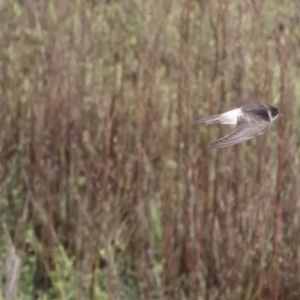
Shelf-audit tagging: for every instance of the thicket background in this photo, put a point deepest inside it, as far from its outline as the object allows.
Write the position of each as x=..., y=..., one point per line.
x=108, y=191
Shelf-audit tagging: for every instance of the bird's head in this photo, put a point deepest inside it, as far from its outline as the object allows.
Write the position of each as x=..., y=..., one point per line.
x=275, y=112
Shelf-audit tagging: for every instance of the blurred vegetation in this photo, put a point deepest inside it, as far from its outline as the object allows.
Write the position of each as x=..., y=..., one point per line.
x=107, y=189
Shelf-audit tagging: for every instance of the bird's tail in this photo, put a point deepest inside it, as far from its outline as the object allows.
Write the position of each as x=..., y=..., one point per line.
x=210, y=120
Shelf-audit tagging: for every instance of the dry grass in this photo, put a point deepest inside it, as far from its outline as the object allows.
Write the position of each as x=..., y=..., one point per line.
x=107, y=189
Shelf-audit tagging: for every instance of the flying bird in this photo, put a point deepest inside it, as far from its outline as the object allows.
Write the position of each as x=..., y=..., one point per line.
x=251, y=120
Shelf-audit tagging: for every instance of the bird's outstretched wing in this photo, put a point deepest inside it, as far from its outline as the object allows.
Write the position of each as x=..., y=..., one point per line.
x=246, y=130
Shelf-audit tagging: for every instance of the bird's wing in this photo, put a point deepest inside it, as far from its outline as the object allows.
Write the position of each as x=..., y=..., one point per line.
x=246, y=129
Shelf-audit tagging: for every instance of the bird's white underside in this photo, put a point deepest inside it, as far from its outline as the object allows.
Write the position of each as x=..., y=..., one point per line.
x=231, y=117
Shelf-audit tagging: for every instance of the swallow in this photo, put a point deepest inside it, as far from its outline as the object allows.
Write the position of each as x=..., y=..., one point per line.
x=251, y=120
